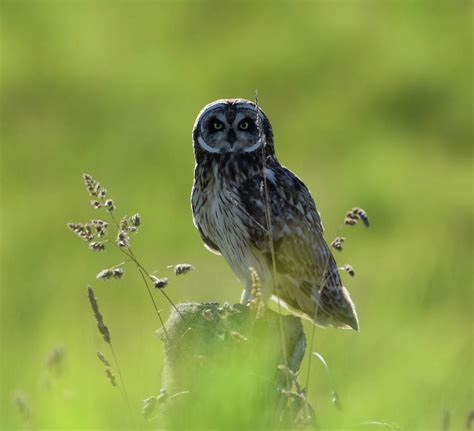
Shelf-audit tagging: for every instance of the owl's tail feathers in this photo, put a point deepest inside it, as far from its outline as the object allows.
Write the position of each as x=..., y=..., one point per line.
x=349, y=314
x=332, y=307
x=337, y=309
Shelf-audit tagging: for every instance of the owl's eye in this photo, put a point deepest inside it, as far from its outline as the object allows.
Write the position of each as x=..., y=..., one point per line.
x=217, y=125
x=244, y=125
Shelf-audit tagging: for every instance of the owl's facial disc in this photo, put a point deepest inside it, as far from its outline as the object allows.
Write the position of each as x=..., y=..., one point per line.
x=226, y=127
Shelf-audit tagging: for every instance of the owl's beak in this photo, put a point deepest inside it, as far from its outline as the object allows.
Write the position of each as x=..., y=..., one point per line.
x=231, y=137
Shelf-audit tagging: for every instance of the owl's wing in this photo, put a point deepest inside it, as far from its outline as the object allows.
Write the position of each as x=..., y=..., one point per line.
x=297, y=232
x=208, y=243
x=301, y=254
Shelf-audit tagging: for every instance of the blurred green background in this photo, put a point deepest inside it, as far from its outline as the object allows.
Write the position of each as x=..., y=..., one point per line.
x=371, y=106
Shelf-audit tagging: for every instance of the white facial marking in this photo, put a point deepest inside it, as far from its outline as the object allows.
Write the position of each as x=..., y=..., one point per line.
x=254, y=146
x=203, y=144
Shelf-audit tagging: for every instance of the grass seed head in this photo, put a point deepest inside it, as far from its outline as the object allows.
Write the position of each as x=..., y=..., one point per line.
x=337, y=243
x=362, y=215
x=109, y=205
x=21, y=402
x=349, y=269
x=356, y=214
x=182, y=268
x=103, y=359
x=123, y=240
x=107, y=274
x=98, y=316
x=111, y=377
x=89, y=232
x=136, y=220
x=124, y=223
x=159, y=283
x=92, y=186
x=97, y=246
x=55, y=360
x=83, y=231
x=256, y=304
x=100, y=227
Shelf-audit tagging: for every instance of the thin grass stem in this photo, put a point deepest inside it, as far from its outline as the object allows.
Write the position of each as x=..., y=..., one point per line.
x=124, y=390
x=154, y=303
x=142, y=270
x=270, y=237
x=140, y=266
x=316, y=307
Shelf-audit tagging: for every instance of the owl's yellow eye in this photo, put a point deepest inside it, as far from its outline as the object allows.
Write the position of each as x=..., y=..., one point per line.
x=217, y=125
x=244, y=125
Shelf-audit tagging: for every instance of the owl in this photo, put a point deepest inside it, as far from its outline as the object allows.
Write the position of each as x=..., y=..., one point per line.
x=257, y=214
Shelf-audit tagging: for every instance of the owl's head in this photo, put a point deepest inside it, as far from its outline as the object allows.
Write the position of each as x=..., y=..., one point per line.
x=232, y=126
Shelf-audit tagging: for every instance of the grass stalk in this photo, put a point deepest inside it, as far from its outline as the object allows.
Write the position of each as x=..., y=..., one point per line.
x=270, y=238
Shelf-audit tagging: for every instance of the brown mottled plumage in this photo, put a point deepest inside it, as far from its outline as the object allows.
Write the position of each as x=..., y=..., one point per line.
x=236, y=175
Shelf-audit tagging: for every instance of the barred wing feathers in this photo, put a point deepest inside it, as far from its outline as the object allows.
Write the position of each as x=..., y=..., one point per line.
x=303, y=259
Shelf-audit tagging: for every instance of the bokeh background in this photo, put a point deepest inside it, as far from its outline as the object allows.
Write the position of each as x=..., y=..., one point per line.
x=371, y=106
